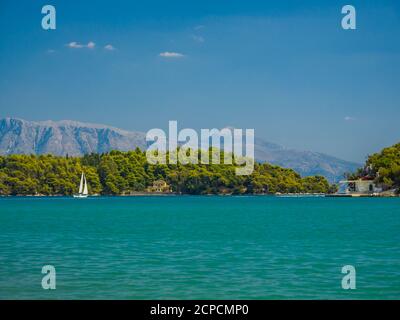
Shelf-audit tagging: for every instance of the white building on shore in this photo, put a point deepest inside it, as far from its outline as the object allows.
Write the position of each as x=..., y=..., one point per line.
x=358, y=187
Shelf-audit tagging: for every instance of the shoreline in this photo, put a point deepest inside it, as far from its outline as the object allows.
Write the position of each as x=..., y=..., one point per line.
x=149, y=194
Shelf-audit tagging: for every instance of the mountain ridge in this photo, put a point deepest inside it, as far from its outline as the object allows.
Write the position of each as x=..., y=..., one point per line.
x=74, y=138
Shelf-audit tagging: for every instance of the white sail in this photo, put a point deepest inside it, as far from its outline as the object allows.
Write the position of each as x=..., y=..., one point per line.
x=85, y=189
x=81, y=184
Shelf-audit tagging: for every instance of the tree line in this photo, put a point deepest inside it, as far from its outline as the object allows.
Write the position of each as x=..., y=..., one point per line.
x=384, y=166
x=117, y=173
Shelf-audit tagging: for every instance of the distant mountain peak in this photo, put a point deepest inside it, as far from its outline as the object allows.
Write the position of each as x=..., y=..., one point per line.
x=64, y=137
x=18, y=136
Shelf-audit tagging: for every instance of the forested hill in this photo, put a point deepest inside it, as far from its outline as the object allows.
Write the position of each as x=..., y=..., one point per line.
x=74, y=138
x=119, y=172
x=385, y=167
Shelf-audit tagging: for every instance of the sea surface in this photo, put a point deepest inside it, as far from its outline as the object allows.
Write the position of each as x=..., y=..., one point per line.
x=205, y=247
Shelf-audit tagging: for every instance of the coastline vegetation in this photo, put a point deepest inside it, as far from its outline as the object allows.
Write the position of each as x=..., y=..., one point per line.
x=118, y=173
x=384, y=167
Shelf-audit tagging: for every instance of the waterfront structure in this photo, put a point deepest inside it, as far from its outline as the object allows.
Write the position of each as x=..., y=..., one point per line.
x=359, y=187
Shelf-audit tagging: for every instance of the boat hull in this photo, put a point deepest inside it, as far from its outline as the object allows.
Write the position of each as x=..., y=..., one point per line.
x=80, y=196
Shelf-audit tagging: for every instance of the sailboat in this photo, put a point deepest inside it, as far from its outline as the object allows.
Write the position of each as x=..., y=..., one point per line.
x=83, y=189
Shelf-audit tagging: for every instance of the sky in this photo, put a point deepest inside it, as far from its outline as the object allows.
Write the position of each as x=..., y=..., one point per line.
x=284, y=68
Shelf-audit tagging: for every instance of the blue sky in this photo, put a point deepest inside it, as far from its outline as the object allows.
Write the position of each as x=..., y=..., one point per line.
x=285, y=68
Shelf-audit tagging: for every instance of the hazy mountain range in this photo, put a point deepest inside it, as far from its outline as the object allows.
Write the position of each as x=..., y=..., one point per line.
x=19, y=136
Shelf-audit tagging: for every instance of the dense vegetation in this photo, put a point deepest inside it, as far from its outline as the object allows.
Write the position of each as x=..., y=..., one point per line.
x=126, y=172
x=384, y=167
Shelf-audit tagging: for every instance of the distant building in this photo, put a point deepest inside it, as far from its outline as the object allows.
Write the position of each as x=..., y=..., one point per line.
x=362, y=186
x=159, y=186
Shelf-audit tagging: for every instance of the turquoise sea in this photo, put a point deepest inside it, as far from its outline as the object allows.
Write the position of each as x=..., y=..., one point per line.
x=204, y=247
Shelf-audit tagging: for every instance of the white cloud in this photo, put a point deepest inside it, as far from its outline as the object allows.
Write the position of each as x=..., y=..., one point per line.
x=348, y=118
x=109, y=47
x=76, y=45
x=167, y=54
x=199, y=27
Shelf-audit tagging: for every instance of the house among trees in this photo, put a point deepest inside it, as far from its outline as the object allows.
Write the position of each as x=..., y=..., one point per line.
x=160, y=186
x=363, y=185
x=358, y=187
